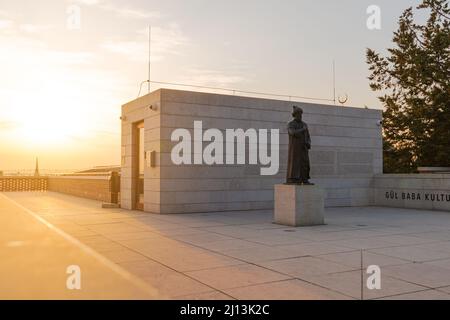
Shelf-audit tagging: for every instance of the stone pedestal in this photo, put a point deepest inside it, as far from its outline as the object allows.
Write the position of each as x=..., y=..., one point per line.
x=299, y=205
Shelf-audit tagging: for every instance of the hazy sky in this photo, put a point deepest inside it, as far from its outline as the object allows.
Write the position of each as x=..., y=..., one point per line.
x=61, y=87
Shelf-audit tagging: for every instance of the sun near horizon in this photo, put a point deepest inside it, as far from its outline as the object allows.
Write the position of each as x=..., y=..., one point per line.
x=68, y=66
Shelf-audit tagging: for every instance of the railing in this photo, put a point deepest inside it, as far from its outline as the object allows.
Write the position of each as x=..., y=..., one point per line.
x=245, y=92
x=20, y=183
x=103, y=187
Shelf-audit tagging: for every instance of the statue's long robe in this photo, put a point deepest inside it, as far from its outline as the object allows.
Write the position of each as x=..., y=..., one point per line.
x=298, y=156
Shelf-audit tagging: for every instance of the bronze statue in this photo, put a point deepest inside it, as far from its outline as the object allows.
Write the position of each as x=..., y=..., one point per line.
x=299, y=145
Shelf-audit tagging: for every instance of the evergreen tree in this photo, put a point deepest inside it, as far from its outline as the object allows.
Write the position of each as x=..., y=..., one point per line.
x=414, y=80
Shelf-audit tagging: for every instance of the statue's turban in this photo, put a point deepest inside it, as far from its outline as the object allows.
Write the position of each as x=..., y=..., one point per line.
x=296, y=110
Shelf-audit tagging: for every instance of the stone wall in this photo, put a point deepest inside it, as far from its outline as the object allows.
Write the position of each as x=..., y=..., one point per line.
x=132, y=113
x=418, y=191
x=346, y=153
x=90, y=187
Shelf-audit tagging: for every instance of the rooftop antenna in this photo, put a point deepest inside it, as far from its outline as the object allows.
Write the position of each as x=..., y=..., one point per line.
x=149, y=54
x=36, y=169
x=334, y=82
x=149, y=63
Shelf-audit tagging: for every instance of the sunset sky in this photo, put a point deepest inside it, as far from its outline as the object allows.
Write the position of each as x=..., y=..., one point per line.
x=61, y=87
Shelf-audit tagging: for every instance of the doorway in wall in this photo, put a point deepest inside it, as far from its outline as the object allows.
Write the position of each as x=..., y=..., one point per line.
x=139, y=166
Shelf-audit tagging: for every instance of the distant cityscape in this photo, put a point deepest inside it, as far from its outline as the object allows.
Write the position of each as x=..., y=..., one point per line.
x=37, y=171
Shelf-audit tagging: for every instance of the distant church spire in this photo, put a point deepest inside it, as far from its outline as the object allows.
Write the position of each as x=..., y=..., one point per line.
x=36, y=170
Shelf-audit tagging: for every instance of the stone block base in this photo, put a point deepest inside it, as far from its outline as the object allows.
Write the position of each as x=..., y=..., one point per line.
x=107, y=205
x=299, y=205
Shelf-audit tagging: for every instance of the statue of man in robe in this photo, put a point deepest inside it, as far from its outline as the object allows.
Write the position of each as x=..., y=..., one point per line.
x=299, y=144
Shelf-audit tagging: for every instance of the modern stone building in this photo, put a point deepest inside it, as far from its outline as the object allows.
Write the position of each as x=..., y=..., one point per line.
x=346, y=153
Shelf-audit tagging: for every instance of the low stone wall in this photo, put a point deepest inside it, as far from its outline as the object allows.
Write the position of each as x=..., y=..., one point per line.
x=91, y=187
x=418, y=191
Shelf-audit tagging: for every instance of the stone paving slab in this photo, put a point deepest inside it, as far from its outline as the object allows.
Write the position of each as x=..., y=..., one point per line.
x=421, y=295
x=353, y=259
x=419, y=273
x=349, y=283
x=444, y=289
x=34, y=259
x=412, y=253
x=243, y=255
x=286, y=290
x=211, y=295
x=237, y=276
x=440, y=263
x=306, y=266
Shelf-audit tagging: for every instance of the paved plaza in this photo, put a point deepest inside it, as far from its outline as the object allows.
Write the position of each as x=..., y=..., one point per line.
x=228, y=255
